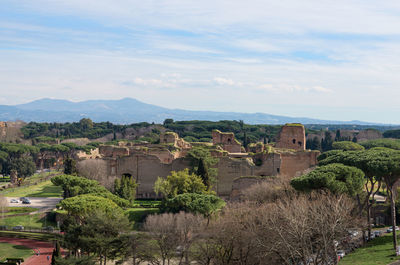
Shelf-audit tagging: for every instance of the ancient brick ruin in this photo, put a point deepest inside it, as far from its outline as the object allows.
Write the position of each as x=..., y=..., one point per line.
x=292, y=136
x=146, y=162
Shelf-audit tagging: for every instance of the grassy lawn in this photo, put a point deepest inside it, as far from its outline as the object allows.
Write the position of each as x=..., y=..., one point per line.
x=28, y=221
x=18, y=210
x=43, y=189
x=378, y=251
x=138, y=215
x=14, y=251
x=29, y=235
x=147, y=203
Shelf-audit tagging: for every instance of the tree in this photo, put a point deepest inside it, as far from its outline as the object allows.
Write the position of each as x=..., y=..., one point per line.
x=101, y=230
x=69, y=166
x=201, y=157
x=74, y=185
x=388, y=143
x=162, y=230
x=202, y=171
x=85, y=260
x=178, y=183
x=378, y=164
x=337, y=178
x=82, y=205
x=126, y=188
x=326, y=142
x=23, y=165
x=203, y=204
x=347, y=146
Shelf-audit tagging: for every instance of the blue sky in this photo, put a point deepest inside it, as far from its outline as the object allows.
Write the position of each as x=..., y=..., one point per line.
x=316, y=58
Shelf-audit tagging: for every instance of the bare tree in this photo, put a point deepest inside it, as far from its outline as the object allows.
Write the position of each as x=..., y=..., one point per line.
x=3, y=205
x=162, y=229
x=95, y=169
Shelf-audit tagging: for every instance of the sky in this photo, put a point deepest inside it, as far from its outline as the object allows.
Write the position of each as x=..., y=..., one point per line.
x=337, y=60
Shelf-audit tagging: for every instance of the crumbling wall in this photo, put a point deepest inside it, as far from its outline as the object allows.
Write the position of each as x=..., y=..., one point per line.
x=113, y=151
x=369, y=134
x=230, y=169
x=293, y=164
x=227, y=141
x=292, y=136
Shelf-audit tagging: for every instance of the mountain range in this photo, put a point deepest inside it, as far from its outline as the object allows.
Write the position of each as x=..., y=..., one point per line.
x=129, y=110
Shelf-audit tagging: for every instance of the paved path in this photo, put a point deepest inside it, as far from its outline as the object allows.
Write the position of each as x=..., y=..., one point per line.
x=45, y=249
x=42, y=203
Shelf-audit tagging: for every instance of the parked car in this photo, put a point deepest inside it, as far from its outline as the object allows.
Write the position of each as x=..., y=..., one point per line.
x=13, y=201
x=3, y=227
x=22, y=198
x=390, y=229
x=341, y=253
x=26, y=201
x=378, y=233
x=48, y=229
x=18, y=228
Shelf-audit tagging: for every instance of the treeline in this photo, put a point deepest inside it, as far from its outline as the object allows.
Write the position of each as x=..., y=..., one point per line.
x=193, y=131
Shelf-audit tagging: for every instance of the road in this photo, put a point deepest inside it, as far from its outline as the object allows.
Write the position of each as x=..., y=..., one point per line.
x=42, y=203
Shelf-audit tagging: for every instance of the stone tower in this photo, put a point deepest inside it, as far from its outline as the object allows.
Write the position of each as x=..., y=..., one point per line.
x=292, y=136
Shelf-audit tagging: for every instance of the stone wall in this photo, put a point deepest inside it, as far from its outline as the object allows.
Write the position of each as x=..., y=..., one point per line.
x=368, y=134
x=293, y=164
x=292, y=136
x=227, y=141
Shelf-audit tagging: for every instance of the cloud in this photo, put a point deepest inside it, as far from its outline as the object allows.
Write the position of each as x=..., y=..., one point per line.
x=223, y=81
x=284, y=88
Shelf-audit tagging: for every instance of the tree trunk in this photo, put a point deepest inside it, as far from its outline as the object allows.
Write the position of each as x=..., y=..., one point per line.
x=393, y=215
x=369, y=219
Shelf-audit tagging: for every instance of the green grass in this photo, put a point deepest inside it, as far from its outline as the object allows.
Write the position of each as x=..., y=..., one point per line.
x=138, y=215
x=14, y=251
x=30, y=235
x=378, y=251
x=18, y=210
x=43, y=189
x=35, y=221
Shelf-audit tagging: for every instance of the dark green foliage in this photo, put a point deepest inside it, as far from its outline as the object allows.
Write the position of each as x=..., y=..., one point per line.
x=98, y=232
x=388, y=143
x=336, y=178
x=203, y=204
x=313, y=144
x=74, y=185
x=392, y=134
x=84, y=260
x=346, y=146
x=179, y=182
x=126, y=187
x=23, y=165
x=202, y=171
x=82, y=205
x=201, y=157
x=70, y=166
x=326, y=142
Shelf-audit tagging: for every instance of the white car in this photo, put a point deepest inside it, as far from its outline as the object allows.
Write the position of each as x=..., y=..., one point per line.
x=341, y=253
x=13, y=201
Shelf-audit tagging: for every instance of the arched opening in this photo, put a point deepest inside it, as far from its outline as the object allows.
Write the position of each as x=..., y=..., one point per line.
x=294, y=141
x=127, y=175
x=229, y=141
x=300, y=143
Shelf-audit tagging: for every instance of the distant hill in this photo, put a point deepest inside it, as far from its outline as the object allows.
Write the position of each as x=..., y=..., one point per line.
x=129, y=110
